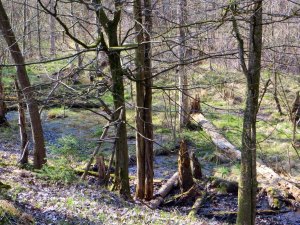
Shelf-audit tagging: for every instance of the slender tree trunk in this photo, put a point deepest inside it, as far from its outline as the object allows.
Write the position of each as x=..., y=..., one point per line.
x=275, y=93
x=52, y=31
x=24, y=27
x=121, y=172
x=22, y=126
x=140, y=93
x=182, y=77
x=79, y=64
x=3, y=121
x=148, y=102
x=38, y=17
x=248, y=182
x=35, y=120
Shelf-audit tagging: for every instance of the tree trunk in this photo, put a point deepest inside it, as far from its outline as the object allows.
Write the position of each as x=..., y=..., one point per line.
x=140, y=95
x=22, y=126
x=39, y=30
x=182, y=76
x=52, y=31
x=144, y=149
x=3, y=121
x=79, y=56
x=248, y=182
x=111, y=29
x=148, y=102
x=35, y=120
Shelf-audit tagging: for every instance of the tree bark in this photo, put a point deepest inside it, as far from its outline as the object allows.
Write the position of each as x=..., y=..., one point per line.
x=35, y=120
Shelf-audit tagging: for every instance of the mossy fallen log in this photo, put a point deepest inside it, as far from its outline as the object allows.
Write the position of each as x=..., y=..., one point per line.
x=198, y=204
x=224, y=185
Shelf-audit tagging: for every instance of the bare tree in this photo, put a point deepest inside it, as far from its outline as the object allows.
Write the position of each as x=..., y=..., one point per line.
x=248, y=180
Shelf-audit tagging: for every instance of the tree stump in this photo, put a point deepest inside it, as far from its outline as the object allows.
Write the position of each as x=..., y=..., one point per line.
x=195, y=105
x=101, y=167
x=184, y=168
x=195, y=167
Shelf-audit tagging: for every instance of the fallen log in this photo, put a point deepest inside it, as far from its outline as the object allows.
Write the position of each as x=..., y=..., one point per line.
x=273, y=196
x=198, y=204
x=225, y=185
x=164, y=191
x=184, y=197
x=218, y=139
x=233, y=153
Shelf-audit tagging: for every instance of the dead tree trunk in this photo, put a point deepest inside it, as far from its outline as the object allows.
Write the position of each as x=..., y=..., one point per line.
x=195, y=166
x=184, y=168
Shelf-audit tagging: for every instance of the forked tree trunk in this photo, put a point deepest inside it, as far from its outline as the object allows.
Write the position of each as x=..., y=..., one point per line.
x=111, y=30
x=35, y=120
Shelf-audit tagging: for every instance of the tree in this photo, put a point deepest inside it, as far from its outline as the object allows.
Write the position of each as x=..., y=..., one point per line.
x=23, y=79
x=144, y=145
x=110, y=45
x=182, y=76
x=248, y=182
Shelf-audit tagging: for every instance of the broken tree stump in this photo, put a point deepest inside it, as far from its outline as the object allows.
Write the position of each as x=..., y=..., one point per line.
x=101, y=168
x=195, y=105
x=184, y=168
x=164, y=191
x=195, y=166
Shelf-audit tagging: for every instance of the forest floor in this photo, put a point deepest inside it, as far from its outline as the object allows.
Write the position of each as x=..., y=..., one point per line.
x=35, y=198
